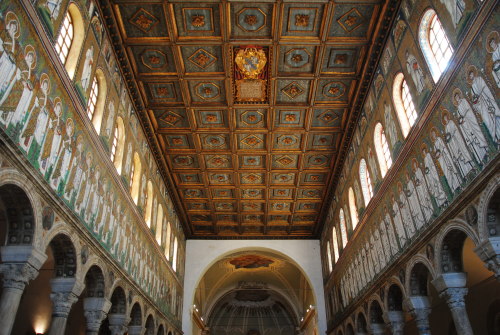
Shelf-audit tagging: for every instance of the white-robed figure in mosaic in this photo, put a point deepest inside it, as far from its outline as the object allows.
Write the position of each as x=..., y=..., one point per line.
x=404, y=208
x=66, y=155
x=82, y=188
x=455, y=8
x=445, y=160
x=54, y=7
x=398, y=221
x=9, y=47
x=52, y=141
x=110, y=119
x=77, y=168
x=91, y=205
x=15, y=116
x=87, y=68
x=458, y=150
x=484, y=103
x=415, y=71
x=385, y=241
x=493, y=47
x=474, y=137
x=414, y=203
x=34, y=129
x=432, y=179
x=390, y=127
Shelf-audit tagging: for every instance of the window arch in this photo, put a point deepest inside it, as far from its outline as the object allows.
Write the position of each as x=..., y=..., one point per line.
x=335, y=245
x=174, y=256
x=97, y=99
x=329, y=255
x=135, y=178
x=343, y=228
x=366, y=183
x=353, y=209
x=167, y=240
x=159, y=224
x=149, y=204
x=435, y=45
x=405, y=109
x=70, y=39
x=119, y=148
x=382, y=149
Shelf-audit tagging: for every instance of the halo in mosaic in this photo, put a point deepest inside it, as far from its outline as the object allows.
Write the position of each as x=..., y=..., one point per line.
x=281, y=193
x=222, y=193
x=172, y=118
x=252, y=206
x=211, y=118
x=286, y=142
x=284, y=161
x=218, y=161
x=251, y=141
x=252, y=193
x=251, y=19
x=212, y=141
x=178, y=141
x=252, y=162
x=220, y=178
x=254, y=118
x=278, y=178
x=225, y=206
x=252, y=178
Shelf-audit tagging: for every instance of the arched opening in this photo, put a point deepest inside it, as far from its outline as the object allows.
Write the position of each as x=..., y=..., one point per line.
x=366, y=182
x=161, y=330
x=361, y=325
x=120, y=145
x=343, y=228
x=18, y=226
x=135, y=178
x=349, y=330
x=118, y=301
x=403, y=102
x=329, y=256
x=73, y=45
x=150, y=326
x=159, y=224
x=353, y=209
x=149, y=204
x=174, y=255
x=167, y=241
x=376, y=318
x=395, y=298
x=135, y=319
x=382, y=149
x=335, y=242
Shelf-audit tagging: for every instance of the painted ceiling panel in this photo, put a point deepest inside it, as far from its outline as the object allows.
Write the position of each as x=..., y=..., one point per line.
x=249, y=104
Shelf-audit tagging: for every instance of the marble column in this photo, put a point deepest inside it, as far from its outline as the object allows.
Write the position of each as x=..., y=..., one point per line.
x=118, y=323
x=377, y=329
x=135, y=330
x=451, y=287
x=95, y=310
x=489, y=252
x=65, y=292
x=395, y=320
x=419, y=308
x=20, y=265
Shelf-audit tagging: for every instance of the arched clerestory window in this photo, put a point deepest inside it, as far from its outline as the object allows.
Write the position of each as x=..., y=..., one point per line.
x=97, y=99
x=434, y=43
x=159, y=224
x=174, y=256
x=118, y=145
x=335, y=245
x=149, y=204
x=69, y=42
x=343, y=228
x=405, y=108
x=366, y=183
x=168, y=237
x=353, y=209
x=382, y=149
x=329, y=255
x=135, y=178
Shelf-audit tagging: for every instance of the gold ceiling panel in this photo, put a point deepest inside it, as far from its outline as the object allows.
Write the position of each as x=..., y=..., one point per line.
x=252, y=103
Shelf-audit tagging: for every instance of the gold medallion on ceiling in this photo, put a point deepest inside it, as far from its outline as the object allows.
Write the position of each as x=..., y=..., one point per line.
x=251, y=62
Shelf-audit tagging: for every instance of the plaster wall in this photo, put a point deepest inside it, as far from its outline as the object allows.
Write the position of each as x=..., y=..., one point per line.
x=201, y=254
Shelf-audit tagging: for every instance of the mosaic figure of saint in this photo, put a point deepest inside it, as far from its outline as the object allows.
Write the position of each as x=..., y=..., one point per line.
x=445, y=161
x=390, y=128
x=404, y=208
x=415, y=71
x=455, y=8
x=474, y=137
x=10, y=49
x=66, y=154
x=54, y=7
x=493, y=47
x=82, y=189
x=52, y=141
x=398, y=221
x=87, y=68
x=432, y=179
x=414, y=203
x=458, y=150
x=77, y=168
x=111, y=117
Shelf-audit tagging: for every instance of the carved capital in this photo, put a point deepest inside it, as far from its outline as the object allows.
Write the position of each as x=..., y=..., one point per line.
x=62, y=302
x=455, y=297
x=94, y=319
x=95, y=310
x=17, y=275
x=118, y=323
x=135, y=330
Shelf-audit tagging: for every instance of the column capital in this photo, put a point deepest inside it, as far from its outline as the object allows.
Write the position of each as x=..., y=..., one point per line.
x=135, y=330
x=454, y=296
x=95, y=310
x=377, y=328
x=62, y=303
x=118, y=323
x=17, y=275
x=395, y=320
x=419, y=308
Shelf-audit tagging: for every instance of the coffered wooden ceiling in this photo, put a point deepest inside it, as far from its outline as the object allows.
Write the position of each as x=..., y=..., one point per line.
x=249, y=105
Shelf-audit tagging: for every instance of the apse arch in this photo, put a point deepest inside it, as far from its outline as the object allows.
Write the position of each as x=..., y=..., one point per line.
x=201, y=255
